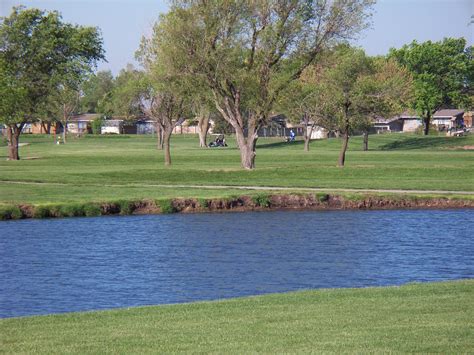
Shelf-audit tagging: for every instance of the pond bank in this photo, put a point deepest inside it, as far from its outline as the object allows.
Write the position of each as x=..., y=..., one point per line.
x=257, y=202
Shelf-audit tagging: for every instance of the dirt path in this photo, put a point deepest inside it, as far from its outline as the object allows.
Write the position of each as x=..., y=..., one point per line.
x=256, y=188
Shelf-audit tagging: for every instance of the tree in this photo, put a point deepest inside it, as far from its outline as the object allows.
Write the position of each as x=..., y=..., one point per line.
x=248, y=51
x=96, y=92
x=36, y=49
x=126, y=94
x=352, y=89
x=443, y=74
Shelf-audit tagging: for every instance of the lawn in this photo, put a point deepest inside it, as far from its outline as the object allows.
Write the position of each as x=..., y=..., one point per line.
x=426, y=318
x=101, y=168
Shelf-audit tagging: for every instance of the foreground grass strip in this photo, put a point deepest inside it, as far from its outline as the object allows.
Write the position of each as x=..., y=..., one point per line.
x=431, y=317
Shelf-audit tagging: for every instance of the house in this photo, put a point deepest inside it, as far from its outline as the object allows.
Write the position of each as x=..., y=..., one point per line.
x=410, y=122
x=448, y=118
x=81, y=124
x=383, y=125
x=145, y=126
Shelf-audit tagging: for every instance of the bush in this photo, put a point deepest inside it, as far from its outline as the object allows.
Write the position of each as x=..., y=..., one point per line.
x=10, y=212
x=92, y=210
x=322, y=197
x=262, y=200
x=433, y=131
x=125, y=207
x=166, y=206
x=72, y=210
x=97, y=126
x=42, y=212
x=203, y=203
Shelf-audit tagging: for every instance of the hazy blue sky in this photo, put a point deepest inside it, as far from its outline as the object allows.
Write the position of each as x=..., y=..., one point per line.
x=395, y=22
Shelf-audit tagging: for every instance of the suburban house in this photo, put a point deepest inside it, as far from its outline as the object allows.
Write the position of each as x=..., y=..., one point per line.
x=410, y=122
x=383, y=125
x=448, y=119
x=81, y=124
x=119, y=126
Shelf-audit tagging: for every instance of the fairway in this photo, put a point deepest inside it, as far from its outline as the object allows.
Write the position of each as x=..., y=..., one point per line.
x=102, y=168
x=432, y=317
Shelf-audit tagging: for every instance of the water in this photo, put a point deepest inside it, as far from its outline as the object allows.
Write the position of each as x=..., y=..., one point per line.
x=63, y=265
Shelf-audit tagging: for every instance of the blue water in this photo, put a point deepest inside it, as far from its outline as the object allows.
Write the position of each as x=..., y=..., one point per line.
x=63, y=265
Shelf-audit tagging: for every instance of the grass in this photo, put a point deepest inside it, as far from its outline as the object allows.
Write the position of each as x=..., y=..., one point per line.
x=427, y=318
x=108, y=168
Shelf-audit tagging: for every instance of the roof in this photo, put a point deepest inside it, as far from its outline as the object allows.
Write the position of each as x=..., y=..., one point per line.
x=382, y=120
x=448, y=113
x=85, y=117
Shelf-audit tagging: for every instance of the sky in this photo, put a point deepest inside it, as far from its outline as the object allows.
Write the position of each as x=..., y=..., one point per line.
x=394, y=23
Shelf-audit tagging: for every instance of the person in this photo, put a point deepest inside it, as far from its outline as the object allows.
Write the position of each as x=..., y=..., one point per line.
x=292, y=135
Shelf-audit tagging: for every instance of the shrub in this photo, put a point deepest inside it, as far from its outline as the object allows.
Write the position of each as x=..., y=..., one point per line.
x=166, y=206
x=10, y=212
x=322, y=197
x=203, y=203
x=97, y=126
x=42, y=212
x=92, y=210
x=262, y=200
x=72, y=210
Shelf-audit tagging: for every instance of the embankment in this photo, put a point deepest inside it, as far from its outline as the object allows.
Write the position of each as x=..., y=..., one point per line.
x=259, y=202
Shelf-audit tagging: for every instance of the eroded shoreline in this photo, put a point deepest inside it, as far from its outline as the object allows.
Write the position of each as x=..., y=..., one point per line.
x=259, y=202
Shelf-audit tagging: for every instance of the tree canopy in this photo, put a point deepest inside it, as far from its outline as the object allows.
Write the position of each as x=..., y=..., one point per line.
x=246, y=52
x=40, y=54
x=443, y=72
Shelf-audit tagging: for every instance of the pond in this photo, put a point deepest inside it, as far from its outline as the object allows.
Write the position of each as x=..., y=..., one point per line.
x=78, y=264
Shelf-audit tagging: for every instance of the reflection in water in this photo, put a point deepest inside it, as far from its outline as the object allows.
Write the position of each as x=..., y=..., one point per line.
x=62, y=265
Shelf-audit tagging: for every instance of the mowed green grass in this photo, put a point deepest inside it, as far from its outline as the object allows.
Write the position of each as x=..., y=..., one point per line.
x=100, y=168
x=426, y=318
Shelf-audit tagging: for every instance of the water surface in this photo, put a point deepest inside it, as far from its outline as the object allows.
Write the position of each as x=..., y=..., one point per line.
x=63, y=265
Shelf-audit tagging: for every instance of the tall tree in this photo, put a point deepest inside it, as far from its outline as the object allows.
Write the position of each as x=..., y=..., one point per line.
x=443, y=74
x=248, y=51
x=351, y=89
x=96, y=92
x=36, y=49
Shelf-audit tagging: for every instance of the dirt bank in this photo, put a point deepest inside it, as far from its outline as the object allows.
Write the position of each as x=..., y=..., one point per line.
x=262, y=202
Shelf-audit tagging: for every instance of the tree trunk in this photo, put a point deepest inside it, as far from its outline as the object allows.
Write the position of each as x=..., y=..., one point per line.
x=159, y=136
x=366, y=141
x=247, y=146
x=307, y=136
x=203, y=128
x=342, y=154
x=46, y=127
x=13, y=137
x=64, y=123
x=426, y=121
x=166, y=143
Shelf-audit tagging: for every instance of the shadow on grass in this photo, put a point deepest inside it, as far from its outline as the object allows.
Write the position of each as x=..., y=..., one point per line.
x=280, y=144
x=425, y=142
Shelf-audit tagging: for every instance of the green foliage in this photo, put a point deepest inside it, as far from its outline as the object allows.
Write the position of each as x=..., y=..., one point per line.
x=42, y=211
x=42, y=61
x=166, y=206
x=203, y=203
x=322, y=197
x=125, y=207
x=71, y=210
x=262, y=200
x=97, y=91
x=10, y=212
x=442, y=72
x=97, y=126
x=91, y=209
